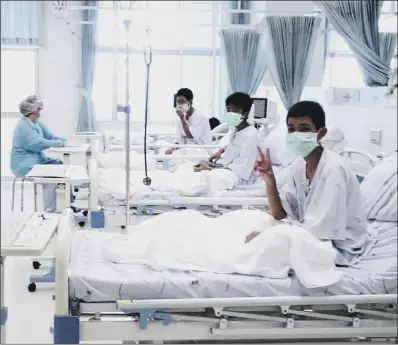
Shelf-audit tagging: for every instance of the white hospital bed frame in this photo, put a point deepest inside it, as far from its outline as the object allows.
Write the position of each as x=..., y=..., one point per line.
x=215, y=204
x=370, y=317
x=109, y=147
x=360, y=167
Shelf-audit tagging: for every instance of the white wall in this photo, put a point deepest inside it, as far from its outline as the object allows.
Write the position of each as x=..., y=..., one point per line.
x=354, y=121
x=59, y=71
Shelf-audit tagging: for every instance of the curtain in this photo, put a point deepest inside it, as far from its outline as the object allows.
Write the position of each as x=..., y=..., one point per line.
x=240, y=18
x=290, y=43
x=87, y=118
x=20, y=22
x=358, y=23
x=242, y=52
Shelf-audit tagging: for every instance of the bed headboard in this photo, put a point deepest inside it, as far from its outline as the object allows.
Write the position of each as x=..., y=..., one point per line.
x=361, y=162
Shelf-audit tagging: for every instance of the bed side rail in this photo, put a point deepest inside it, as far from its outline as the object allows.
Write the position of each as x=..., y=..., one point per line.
x=62, y=256
x=360, y=161
x=285, y=301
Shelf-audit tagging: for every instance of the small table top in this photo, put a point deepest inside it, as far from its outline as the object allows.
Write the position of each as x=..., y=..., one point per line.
x=27, y=234
x=83, y=148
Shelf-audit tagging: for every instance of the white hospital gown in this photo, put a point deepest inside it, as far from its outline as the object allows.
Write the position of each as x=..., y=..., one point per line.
x=199, y=127
x=330, y=207
x=241, y=154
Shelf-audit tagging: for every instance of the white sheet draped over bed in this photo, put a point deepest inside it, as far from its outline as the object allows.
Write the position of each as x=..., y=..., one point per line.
x=184, y=181
x=189, y=241
x=379, y=191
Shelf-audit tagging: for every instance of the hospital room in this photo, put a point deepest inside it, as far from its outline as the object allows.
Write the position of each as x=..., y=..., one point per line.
x=199, y=172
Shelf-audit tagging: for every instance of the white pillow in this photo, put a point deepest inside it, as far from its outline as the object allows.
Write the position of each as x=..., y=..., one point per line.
x=379, y=190
x=280, y=153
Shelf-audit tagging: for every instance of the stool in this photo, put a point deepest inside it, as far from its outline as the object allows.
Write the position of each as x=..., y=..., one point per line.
x=23, y=179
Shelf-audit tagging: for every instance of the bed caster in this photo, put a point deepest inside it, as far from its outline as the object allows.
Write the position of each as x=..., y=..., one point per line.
x=82, y=224
x=85, y=213
x=73, y=197
x=76, y=190
x=32, y=287
x=123, y=227
x=36, y=265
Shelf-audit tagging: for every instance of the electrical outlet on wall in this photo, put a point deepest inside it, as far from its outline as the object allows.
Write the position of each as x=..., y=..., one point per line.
x=375, y=136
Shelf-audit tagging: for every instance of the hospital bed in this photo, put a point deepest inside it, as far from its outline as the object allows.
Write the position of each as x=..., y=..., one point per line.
x=114, y=140
x=144, y=201
x=101, y=301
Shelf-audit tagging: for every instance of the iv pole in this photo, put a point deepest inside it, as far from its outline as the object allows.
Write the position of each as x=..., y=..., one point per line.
x=126, y=110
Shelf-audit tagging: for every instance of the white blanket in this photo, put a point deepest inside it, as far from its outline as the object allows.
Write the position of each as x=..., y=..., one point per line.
x=117, y=160
x=188, y=240
x=379, y=190
x=184, y=182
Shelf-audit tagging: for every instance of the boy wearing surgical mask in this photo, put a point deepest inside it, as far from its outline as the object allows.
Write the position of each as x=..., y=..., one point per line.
x=192, y=128
x=321, y=192
x=241, y=153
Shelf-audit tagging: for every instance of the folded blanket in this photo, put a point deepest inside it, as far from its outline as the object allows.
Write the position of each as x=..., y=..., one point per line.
x=188, y=240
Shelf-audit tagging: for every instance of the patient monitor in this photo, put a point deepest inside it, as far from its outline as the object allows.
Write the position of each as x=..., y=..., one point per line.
x=264, y=113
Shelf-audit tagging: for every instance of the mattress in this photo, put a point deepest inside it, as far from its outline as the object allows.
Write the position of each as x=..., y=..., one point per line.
x=95, y=280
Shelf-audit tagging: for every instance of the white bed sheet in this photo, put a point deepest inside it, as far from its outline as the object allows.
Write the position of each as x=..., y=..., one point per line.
x=108, y=195
x=95, y=280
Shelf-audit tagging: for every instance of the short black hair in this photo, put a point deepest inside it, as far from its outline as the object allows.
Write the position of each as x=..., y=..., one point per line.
x=241, y=100
x=184, y=92
x=312, y=110
x=214, y=122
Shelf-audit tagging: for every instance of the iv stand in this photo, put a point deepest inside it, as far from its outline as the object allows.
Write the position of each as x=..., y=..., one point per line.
x=126, y=110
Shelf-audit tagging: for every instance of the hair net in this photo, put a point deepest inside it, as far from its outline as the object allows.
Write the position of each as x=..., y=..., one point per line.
x=30, y=104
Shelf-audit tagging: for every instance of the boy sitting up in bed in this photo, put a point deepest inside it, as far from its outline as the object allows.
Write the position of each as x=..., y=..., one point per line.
x=192, y=127
x=321, y=191
x=241, y=153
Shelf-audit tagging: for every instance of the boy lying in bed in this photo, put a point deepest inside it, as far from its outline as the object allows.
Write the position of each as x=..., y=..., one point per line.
x=321, y=192
x=241, y=153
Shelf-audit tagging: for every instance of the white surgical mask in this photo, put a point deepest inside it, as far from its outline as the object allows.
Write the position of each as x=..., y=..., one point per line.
x=302, y=143
x=233, y=119
x=184, y=107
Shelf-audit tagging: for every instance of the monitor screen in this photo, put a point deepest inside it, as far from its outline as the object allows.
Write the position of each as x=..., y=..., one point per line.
x=260, y=108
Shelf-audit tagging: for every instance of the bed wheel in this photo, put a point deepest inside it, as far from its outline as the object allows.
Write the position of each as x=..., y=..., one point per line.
x=82, y=224
x=32, y=287
x=85, y=213
x=123, y=227
x=36, y=265
x=76, y=190
x=73, y=197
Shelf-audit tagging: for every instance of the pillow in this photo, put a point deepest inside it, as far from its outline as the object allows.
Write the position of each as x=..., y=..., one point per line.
x=379, y=190
x=280, y=153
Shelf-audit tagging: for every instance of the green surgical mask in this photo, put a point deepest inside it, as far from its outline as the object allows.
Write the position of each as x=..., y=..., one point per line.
x=302, y=143
x=232, y=119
